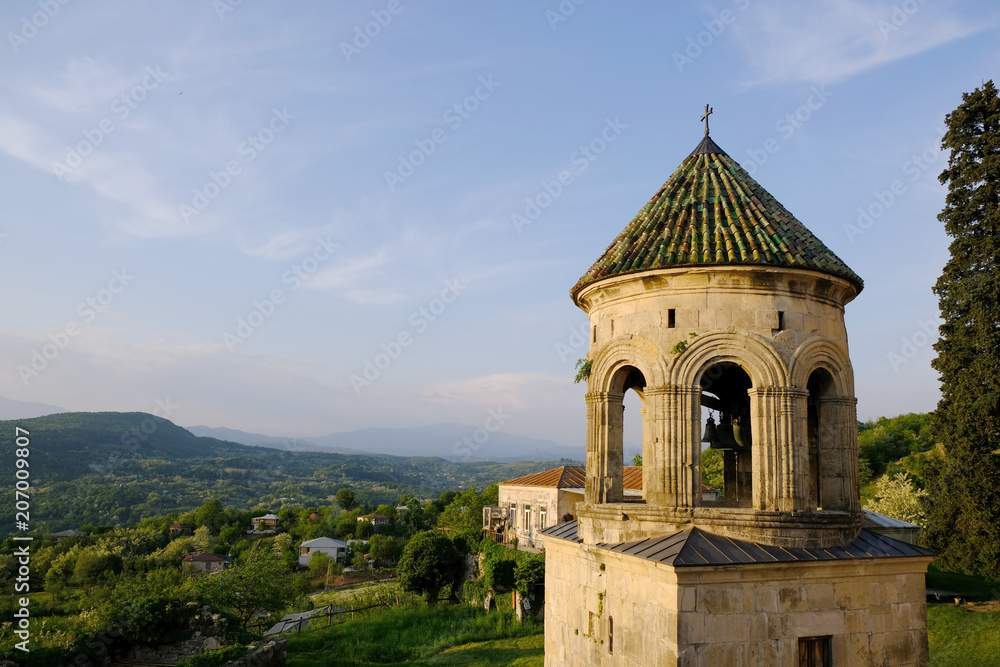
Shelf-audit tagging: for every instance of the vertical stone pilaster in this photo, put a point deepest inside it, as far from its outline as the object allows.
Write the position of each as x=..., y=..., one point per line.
x=839, y=452
x=676, y=479
x=604, y=448
x=778, y=464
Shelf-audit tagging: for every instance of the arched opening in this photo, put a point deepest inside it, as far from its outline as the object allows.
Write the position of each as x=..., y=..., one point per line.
x=632, y=424
x=727, y=430
x=625, y=379
x=821, y=436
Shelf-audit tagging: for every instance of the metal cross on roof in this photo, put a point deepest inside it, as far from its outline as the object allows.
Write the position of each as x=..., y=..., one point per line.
x=708, y=111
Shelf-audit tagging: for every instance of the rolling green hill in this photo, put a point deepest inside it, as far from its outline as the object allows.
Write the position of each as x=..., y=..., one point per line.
x=114, y=468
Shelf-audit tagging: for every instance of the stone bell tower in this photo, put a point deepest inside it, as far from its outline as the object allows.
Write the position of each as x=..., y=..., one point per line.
x=715, y=298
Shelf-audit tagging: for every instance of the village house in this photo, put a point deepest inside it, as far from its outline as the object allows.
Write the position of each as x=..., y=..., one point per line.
x=178, y=529
x=66, y=534
x=263, y=524
x=204, y=562
x=534, y=502
x=716, y=303
x=377, y=520
x=335, y=549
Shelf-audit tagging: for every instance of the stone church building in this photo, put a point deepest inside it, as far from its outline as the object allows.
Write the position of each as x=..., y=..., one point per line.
x=715, y=299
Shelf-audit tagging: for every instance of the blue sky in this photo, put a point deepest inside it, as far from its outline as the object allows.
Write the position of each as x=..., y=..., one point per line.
x=343, y=179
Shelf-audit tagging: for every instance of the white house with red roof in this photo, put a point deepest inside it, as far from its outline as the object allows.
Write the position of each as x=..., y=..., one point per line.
x=534, y=502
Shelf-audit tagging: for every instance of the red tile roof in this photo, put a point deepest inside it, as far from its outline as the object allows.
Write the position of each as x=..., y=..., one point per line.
x=573, y=477
x=205, y=558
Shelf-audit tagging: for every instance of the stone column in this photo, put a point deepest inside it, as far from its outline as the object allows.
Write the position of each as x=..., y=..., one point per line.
x=839, y=453
x=780, y=450
x=604, y=448
x=675, y=477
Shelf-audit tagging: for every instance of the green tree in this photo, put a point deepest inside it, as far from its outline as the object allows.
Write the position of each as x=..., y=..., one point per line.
x=359, y=563
x=385, y=549
x=203, y=540
x=345, y=498
x=465, y=512
x=259, y=580
x=212, y=515
x=637, y=460
x=713, y=469
x=231, y=534
x=898, y=498
x=430, y=562
x=963, y=524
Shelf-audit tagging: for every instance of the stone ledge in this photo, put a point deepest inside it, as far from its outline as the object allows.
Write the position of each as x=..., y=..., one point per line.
x=623, y=522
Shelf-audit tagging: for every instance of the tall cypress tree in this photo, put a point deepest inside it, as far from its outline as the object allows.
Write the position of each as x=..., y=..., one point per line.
x=964, y=519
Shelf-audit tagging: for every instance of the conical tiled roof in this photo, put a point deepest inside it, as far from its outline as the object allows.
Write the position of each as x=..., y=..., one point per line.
x=710, y=212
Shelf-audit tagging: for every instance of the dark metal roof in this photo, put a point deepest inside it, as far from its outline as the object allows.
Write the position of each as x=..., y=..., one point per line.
x=874, y=520
x=696, y=547
x=564, y=531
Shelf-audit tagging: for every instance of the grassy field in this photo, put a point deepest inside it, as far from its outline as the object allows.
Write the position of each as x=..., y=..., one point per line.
x=420, y=635
x=963, y=638
x=415, y=634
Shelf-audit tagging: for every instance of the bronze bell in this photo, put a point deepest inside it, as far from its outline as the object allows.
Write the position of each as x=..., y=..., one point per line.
x=710, y=435
x=725, y=438
x=741, y=434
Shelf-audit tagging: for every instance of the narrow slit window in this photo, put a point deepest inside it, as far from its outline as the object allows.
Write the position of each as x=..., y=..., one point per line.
x=781, y=320
x=671, y=318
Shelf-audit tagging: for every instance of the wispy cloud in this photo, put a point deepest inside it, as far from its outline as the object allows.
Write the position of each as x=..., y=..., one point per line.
x=836, y=39
x=519, y=391
x=357, y=280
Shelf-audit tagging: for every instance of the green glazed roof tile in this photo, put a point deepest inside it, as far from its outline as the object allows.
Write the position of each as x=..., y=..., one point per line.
x=711, y=212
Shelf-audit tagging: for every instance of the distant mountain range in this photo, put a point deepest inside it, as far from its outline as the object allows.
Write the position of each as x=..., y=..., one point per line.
x=115, y=468
x=10, y=409
x=455, y=442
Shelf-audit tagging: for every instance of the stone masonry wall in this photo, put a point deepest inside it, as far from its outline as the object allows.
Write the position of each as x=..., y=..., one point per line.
x=738, y=616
